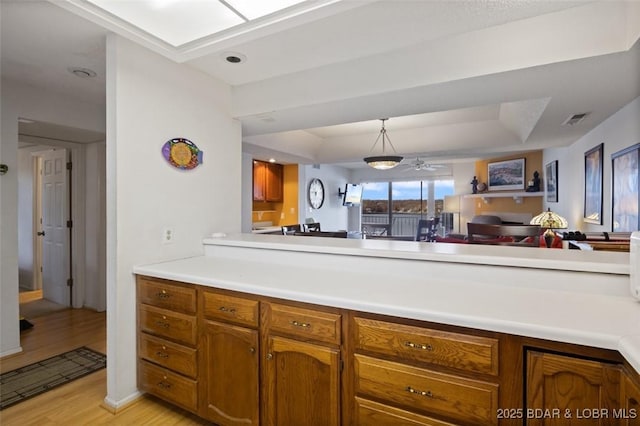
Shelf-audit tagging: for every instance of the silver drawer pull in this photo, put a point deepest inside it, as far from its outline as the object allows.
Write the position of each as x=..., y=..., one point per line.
x=228, y=310
x=427, y=394
x=418, y=346
x=300, y=324
x=164, y=385
x=163, y=294
x=161, y=354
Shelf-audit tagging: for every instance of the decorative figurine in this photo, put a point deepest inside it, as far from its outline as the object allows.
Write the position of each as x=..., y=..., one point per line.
x=534, y=185
x=474, y=185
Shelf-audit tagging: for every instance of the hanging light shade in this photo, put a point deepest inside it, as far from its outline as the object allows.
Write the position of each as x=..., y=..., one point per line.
x=383, y=162
x=550, y=221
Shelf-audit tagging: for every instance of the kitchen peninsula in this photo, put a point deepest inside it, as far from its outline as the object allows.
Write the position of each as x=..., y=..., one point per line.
x=391, y=331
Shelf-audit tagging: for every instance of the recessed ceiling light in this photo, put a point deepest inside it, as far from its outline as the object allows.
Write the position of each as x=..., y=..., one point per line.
x=234, y=57
x=82, y=72
x=272, y=160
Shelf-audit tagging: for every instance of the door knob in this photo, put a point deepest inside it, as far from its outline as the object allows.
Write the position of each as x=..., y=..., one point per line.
x=41, y=233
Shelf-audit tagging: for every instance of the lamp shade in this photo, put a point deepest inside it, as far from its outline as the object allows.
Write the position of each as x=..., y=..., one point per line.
x=383, y=162
x=550, y=220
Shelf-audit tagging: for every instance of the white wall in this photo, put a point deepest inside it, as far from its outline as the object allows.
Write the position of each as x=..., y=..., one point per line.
x=95, y=296
x=151, y=100
x=19, y=100
x=617, y=132
x=333, y=216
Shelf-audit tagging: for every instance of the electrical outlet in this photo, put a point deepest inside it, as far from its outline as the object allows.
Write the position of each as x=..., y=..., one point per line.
x=167, y=236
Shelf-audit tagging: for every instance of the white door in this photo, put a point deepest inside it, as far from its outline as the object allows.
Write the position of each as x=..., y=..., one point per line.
x=55, y=234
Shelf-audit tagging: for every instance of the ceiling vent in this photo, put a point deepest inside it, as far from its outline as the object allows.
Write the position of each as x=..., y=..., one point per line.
x=575, y=119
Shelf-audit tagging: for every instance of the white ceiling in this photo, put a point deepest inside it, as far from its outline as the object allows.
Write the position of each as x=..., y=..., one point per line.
x=457, y=79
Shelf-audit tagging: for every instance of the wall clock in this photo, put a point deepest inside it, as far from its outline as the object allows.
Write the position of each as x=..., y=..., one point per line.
x=316, y=193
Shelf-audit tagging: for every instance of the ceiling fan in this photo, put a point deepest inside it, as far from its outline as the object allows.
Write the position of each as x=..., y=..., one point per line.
x=419, y=164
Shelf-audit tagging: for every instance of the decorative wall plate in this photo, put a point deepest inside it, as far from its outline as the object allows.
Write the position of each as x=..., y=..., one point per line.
x=182, y=153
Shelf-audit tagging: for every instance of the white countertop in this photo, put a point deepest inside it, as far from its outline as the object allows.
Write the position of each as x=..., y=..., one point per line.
x=604, y=321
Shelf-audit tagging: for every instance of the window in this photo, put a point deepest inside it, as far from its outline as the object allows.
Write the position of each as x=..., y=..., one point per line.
x=394, y=208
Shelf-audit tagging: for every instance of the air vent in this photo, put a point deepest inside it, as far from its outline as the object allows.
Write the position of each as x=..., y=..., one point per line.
x=575, y=119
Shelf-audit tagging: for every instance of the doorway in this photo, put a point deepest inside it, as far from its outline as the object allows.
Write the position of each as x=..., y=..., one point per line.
x=67, y=207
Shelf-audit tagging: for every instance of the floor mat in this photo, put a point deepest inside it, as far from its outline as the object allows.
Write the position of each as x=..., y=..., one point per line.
x=35, y=379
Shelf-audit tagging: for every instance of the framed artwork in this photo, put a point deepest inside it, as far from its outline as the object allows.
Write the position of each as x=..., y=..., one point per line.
x=625, y=200
x=551, y=181
x=593, y=185
x=506, y=175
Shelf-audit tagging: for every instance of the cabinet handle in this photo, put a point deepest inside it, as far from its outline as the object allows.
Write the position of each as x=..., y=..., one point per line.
x=162, y=324
x=418, y=346
x=163, y=294
x=252, y=350
x=164, y=385
x=269, y=357
x=161, y=354
x=225, y=309
x=300, y=324
x=427, y=394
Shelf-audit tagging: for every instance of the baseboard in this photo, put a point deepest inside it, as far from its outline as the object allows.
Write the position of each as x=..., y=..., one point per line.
x=11, y=352
x=115, y=407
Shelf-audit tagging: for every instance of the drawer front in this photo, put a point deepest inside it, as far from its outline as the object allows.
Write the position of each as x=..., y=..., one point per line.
x=169, y=324
x=307, y=323
x=168, y=385
x=427, y=391
x=169, y=355
x=181, y=298
x=374, y=413
x=455, y=350
x=230, y=308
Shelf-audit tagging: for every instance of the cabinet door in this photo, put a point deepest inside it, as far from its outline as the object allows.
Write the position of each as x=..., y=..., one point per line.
x=631, y=402
x=578, y=389
x=229, y=374
x=301, y=383
x=259, y=181
x=274, y=182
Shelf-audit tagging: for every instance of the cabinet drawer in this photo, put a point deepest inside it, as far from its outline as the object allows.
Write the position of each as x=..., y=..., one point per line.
x=302, y=322
x=230, y=308
x=455, y=350
x=169, y=324
x=169, y=355
x=374, y=413
x=181, y=298
x=427, y=391
x=168, y=385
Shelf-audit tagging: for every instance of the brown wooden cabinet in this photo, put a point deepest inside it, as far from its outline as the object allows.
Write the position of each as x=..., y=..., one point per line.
x=580, y=391
x=267, y=181
x=403, y=373
x=167, y=341
x=301, y=370
x=229, y=344
x=243, y=359
x=631, y=399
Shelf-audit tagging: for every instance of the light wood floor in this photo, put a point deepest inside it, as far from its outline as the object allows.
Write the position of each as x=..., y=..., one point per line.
x=78, y=402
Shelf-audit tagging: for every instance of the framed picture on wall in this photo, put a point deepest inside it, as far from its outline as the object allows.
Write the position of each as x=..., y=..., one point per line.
x=506, y=175
x=551, y=181
x=593, y=185
x=625, y=197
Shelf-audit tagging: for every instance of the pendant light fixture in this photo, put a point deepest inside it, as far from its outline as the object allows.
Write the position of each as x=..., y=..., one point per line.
x=383, y=162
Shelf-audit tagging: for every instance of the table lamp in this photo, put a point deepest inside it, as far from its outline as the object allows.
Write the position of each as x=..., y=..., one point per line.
x=550, y=221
